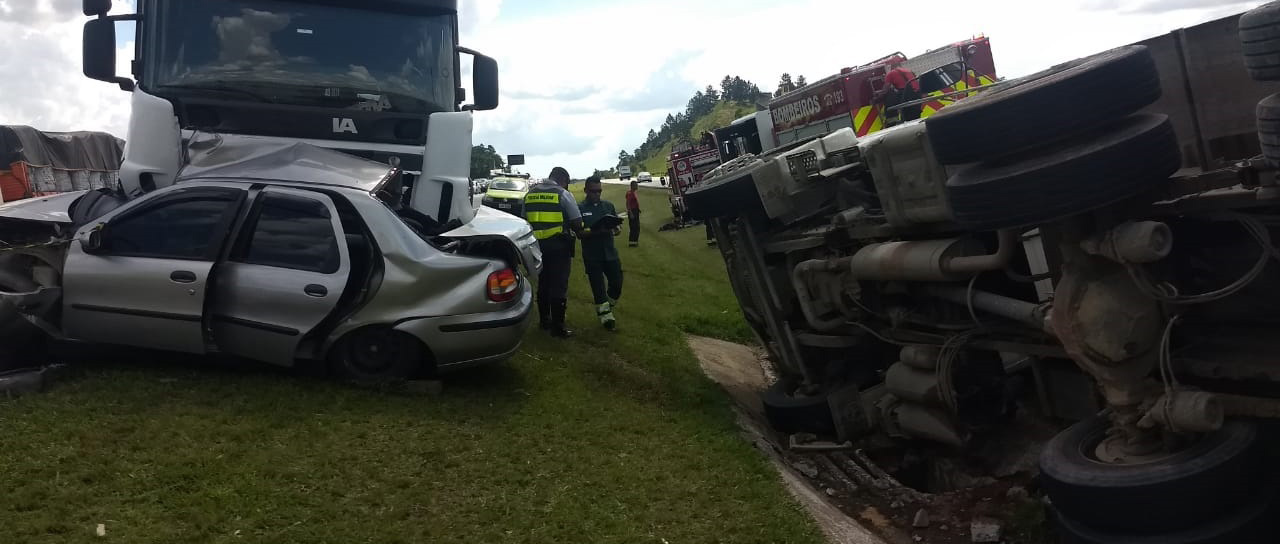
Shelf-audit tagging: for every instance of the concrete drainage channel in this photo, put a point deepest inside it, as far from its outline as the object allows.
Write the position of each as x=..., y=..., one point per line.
x=869, y=494
x=25, y=381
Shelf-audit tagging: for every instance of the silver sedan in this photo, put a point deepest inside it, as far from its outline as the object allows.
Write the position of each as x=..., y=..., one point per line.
x=292, y=255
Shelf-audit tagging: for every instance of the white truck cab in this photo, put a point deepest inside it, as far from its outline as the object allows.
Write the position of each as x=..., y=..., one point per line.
x=374, y=78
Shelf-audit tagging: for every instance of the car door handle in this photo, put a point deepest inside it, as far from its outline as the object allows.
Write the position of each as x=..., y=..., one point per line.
x=183, y=276
x=315, y=290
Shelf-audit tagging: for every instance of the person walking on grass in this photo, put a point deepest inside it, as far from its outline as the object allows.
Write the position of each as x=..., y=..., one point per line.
x=552, y=212
x=599, y=256
x=633, y=216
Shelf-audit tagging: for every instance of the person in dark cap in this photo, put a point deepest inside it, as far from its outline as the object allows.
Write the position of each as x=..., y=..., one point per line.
x=553, y=213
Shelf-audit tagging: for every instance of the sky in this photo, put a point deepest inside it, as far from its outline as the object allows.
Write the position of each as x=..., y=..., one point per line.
x=582, y=80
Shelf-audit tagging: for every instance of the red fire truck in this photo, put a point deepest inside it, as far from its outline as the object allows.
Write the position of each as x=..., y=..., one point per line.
x=853, y=98
x=686, y=165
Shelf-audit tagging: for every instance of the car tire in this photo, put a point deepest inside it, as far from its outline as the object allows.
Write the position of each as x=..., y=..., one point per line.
x=790, y=413
x=1260, y=41
x=1250, y=523
x=1203, y=481
x=1122, y=160
x=377, y=355
x=1052, y=105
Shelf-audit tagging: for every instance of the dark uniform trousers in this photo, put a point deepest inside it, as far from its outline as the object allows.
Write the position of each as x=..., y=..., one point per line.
x=605, y=277
x=553, y=282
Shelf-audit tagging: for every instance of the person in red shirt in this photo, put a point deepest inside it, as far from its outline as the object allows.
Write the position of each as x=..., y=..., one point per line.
x=633, y=216
x=902, y=87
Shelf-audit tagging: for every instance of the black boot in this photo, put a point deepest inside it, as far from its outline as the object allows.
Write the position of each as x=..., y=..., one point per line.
x=558, y=329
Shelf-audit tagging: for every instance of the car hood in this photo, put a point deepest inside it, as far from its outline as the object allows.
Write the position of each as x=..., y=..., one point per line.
x=48, y=209
x=493, y=224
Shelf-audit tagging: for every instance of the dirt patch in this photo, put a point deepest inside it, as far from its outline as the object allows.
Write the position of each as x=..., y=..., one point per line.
x=858, y=493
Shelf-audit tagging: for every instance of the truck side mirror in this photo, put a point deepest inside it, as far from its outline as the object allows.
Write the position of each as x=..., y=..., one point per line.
x=96, y=7
x=100, y=51
x=484, y=81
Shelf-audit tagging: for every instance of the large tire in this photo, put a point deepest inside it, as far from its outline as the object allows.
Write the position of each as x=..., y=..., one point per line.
x=1042, y=108
x=790, y=413
x=1260, y=40
x=1269, y=127
x=1252, y=523
x=1209, y=478
x=20, y=341
x=1124, y=159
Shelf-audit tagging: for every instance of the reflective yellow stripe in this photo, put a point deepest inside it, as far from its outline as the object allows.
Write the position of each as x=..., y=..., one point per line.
x=544, y=217
x=547, y=233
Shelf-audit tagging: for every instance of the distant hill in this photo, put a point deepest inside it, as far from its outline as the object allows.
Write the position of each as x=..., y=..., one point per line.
x=723, y=114
x=708, y=109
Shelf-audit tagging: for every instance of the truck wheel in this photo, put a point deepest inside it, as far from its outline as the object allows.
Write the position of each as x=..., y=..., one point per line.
x=1251, y=523
x=1269, y=127
x=378, y=356
x=788, y=412
x=1092, y=170
x=1045, y=107
x=1212, y=476
x=1260, y=39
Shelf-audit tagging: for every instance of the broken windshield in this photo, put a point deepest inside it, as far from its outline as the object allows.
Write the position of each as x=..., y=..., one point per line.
x=305, y=54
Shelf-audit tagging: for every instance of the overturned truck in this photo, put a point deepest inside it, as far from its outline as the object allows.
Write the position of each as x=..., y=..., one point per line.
x=1094, y=242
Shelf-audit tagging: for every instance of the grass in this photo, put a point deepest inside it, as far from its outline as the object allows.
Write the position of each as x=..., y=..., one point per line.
x=607, y=437
x=723, y=114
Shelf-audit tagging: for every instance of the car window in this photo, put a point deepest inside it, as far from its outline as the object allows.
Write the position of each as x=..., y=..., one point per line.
x=181, y=228
x=293, y=232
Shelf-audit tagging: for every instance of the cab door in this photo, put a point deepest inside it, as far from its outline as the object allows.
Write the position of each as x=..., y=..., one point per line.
x=144, y=283
x=284, y=275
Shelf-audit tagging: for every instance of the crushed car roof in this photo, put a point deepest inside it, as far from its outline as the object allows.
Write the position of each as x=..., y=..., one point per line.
x=268, y=160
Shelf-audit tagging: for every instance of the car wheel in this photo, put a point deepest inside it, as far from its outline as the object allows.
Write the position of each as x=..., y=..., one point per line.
x=1210, y=477
x=1251, y=523
x=1124, y=159
x=1260, y=40
x=379, y=355
x=1045, y=107
x=790, y=412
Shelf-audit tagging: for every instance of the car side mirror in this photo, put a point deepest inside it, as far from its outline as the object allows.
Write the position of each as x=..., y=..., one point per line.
x=99, y=53
x=91, y=240
x=484, y=81
x=96, y=7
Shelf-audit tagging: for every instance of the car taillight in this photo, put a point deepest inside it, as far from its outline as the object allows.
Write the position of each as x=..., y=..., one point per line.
x=503, y=285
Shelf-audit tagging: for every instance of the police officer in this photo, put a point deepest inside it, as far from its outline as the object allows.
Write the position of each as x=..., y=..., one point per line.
x=552, y=212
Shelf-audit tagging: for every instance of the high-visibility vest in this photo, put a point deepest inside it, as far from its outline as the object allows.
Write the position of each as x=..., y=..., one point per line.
x=543, y=212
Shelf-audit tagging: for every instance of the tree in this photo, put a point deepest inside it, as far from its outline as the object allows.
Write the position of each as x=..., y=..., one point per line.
x=800, y=82
x=785, y=85
x=483, y=159
x=712, y=94
x=624, y=158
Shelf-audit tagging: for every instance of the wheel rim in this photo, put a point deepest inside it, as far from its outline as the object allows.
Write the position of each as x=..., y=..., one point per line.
x=1109, y=449
x=374, y=353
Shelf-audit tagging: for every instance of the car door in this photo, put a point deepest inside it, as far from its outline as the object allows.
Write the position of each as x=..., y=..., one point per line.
x=144, y=283
x=283, y=276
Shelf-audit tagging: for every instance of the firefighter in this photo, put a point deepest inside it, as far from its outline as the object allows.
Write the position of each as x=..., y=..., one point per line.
x=599, y=256
x=902, y=87
x=552, y=212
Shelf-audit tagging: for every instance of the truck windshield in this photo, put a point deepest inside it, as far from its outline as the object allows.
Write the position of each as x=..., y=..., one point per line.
x=304, y=54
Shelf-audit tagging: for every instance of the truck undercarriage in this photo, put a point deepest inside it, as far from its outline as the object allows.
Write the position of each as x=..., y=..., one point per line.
x=1043, y=246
